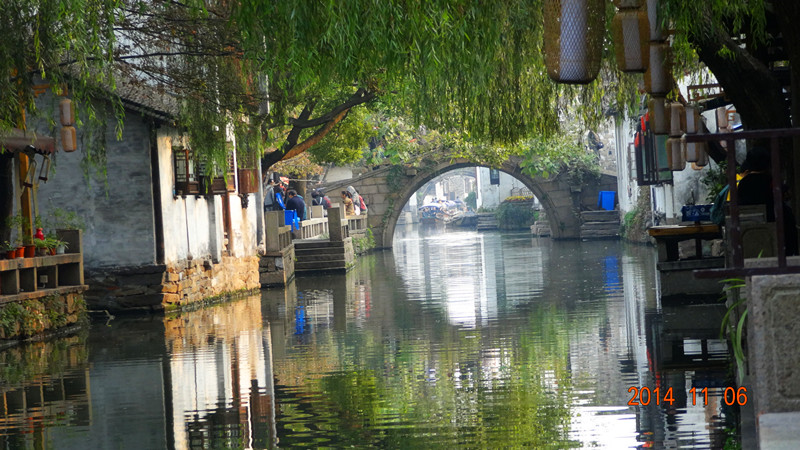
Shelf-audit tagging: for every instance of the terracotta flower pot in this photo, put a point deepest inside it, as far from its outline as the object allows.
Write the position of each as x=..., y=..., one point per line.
x=29, y=251
x=20, y=252
x=11, y=254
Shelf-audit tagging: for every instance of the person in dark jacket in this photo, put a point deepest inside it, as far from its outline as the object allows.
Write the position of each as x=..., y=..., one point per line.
x=295, y=202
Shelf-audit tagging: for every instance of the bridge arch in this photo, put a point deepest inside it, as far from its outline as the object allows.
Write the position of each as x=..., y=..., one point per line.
x=388, y=189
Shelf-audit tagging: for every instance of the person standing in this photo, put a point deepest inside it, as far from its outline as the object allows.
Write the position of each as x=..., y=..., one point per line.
x=347, y=199
x=279, y=205
x=295, y=202
x=269, y=196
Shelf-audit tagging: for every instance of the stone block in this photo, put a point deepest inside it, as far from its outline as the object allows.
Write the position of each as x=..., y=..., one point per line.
x=778, y=431
x=773, y=341
x=171, y=298
x=171, y=288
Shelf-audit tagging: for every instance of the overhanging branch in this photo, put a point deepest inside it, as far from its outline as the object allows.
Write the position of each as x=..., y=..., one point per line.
x=326, y=123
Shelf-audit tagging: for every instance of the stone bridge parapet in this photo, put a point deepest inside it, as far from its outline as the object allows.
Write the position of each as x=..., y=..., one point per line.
x=387, y=189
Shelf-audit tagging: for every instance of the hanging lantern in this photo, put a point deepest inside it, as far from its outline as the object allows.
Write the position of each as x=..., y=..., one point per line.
x=658, y=77
x=66, y=112
x=693, y=120
x=658, y=116
x=631, y=40
x=695, y=151
x=675, y=159
x=656, y=31
x=722, y=117
x=69, y=140
x=573, y=39
x=677, y=119
x=702, y=157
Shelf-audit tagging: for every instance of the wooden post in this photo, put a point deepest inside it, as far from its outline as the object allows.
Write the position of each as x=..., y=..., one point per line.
x=335, y=224
x=25, y=201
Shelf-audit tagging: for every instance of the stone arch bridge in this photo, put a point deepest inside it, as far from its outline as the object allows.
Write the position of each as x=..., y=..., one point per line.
x=387, y=190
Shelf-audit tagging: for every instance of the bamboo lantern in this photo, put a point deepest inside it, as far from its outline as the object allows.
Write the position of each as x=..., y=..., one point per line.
x=69, y=140
x=656, y=31
x=675, y=159
x=658, y=77
x=722, y=117
x=631, y=40
x=658, y=115
x=573, y=39
x=626, y=4
x=696, y=151
x=66, y=112
x=677, y=120
x=702, y=157
x=693, y=120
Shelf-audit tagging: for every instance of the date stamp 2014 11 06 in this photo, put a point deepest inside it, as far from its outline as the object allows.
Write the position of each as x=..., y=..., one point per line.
x=643, y=396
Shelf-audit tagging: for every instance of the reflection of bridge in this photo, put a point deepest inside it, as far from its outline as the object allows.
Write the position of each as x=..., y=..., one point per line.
x=387, y=190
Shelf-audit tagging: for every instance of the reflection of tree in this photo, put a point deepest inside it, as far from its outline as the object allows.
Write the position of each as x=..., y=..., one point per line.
x=446, y=388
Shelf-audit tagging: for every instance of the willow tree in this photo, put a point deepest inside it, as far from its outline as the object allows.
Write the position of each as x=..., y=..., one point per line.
x=42, y=37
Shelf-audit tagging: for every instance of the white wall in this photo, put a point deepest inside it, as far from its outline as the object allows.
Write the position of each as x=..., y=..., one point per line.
x=120, y=220
x=491, y=195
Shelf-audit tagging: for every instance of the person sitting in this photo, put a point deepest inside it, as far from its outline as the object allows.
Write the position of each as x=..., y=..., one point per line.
x=296, y=203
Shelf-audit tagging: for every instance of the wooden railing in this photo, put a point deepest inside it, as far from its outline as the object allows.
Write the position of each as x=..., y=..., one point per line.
x=734, y=227
x=34, y=277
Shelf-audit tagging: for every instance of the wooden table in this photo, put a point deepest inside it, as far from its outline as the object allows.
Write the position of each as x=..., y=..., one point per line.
x=668, y=236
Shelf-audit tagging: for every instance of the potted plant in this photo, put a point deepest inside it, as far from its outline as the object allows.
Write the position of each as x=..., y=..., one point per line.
x=55, y=245
x=41, y=247
x=8, y=250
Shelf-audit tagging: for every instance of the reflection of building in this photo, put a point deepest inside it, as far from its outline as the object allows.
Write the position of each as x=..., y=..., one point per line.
x=495, y=186
x=199, y=380
x=59, y=394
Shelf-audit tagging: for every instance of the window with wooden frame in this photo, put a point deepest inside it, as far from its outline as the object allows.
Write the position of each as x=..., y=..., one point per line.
x=186, y=181
x=652, y=166
x=494, y=176
x=211, y=180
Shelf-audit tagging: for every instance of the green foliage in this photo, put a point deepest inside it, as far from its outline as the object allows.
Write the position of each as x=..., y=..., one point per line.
x=362, y=244
x=514, y=215
x=472, y=200
x=550, y=157
x=715, y=179
x=61, y=219
x=735, y=332
x=347, y=142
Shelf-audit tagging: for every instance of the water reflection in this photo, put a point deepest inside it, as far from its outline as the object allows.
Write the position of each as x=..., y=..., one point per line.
x=450, y=340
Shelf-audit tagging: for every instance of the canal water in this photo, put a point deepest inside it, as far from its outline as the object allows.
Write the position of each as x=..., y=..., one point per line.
x=450, y=340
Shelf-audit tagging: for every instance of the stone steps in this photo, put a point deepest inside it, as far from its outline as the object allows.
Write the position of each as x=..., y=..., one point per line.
x=541, y=228
x=600, y=216
x=487, y=221
x=318, y=255
x=600, y=224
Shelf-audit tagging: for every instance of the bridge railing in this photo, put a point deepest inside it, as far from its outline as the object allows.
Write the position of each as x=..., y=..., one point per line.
x=311, y=228
x=357, y=223
x=279, y=236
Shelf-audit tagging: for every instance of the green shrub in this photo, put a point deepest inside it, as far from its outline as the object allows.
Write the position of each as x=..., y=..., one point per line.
x=515, y=215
